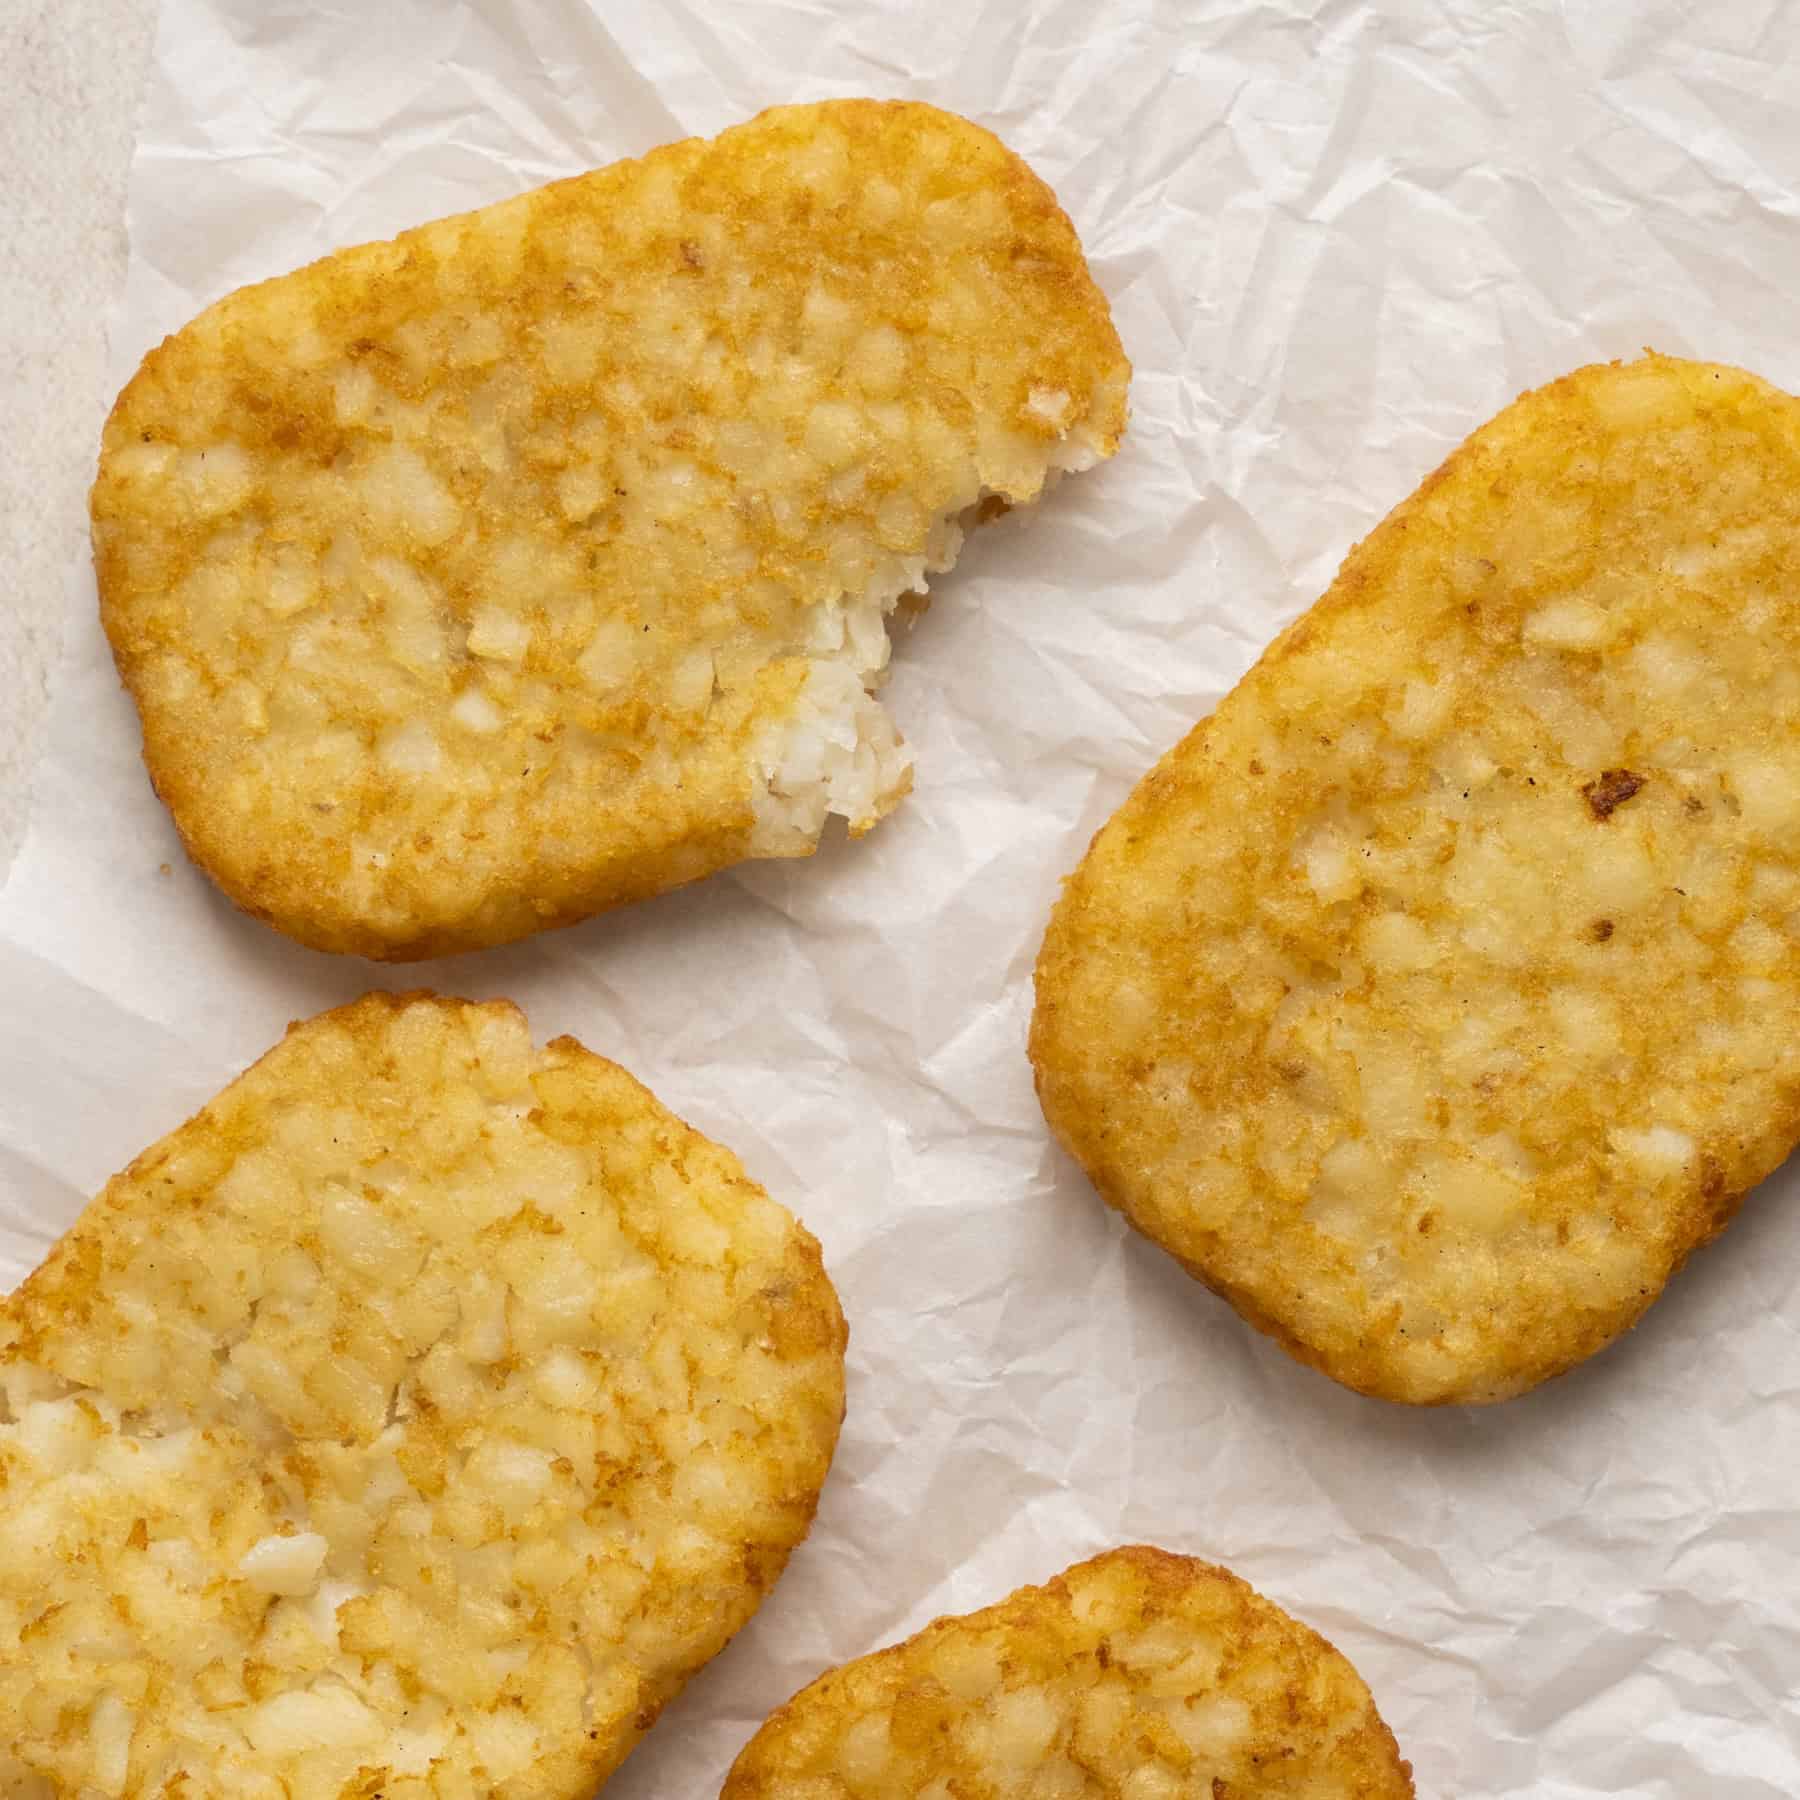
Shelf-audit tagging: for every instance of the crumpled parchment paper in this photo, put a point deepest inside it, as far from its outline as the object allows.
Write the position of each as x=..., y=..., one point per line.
x=1337, y=237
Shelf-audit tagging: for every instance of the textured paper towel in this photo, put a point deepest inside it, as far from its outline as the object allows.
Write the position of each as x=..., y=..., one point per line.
x=70, y=71
x=1337, y=238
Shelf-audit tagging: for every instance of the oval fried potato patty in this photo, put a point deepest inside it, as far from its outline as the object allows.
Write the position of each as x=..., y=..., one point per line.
x=538, y=560
x=1136, y=1676
x=1439, y=994
x=414, y=1420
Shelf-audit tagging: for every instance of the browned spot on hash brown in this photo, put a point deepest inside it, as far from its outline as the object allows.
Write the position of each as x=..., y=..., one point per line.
x=1608, y=791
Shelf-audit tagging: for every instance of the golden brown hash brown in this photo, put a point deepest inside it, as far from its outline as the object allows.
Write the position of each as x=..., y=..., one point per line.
x=1439, y=994
x=413, y=1421
x=537, y=560
x=1136, y=1676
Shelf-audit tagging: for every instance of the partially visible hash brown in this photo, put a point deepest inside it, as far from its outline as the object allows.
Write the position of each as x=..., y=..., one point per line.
x=473, y=582
x=413, y=1421
x=1138, y=1675
x=1437, y=996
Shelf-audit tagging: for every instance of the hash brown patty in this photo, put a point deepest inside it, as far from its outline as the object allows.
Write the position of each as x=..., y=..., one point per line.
x=414, y=1420
x=1440, y=993
x=538, y=560
x=1138, y=1675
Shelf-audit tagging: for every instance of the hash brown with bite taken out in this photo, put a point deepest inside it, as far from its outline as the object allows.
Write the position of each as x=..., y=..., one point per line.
x=539, y=560
x=414, y=1420
x=1135, y=1676
x=1440, y=993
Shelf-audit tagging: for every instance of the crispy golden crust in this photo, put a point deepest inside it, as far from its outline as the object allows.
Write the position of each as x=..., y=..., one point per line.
x=1136, y=1676
x=472, y=583
x=1437, y=996
x=414, y=1420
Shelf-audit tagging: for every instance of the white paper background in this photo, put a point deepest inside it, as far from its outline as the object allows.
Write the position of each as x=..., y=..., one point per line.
x=1336, y=238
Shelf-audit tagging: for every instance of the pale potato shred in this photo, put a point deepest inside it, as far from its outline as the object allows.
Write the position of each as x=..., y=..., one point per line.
x=413, y=1421
x=1437, y=996
x=1135, y=1676
x=539, y=559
